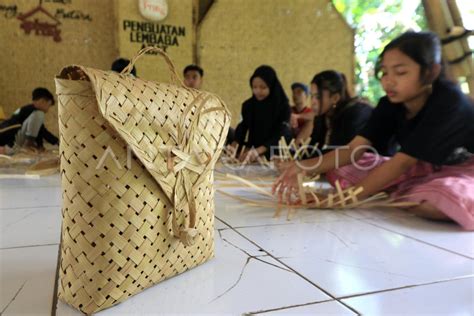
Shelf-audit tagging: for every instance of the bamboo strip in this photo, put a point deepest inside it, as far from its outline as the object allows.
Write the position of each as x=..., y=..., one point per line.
x=342, y=199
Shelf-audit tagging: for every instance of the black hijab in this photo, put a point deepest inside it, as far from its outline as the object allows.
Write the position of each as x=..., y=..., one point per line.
x=277, y=97
x=267, y=117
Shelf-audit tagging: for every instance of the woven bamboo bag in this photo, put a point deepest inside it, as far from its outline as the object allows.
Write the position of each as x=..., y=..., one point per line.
x=137, y=161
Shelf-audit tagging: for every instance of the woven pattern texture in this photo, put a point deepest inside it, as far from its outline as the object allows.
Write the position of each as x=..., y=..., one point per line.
x=137, y=161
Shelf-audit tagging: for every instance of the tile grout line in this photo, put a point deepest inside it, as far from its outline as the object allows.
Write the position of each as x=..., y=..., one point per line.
x=54, y=304
x=263, y=225
x=13, y=299
x=368, y=293
x=16, y=187
x=29, y=246
x=293, y=270
x=359, y=295
x=282, y=224
x=288, y=307
x=407, y=287
x=27, y=207
x=410, y=237
x=338, y=299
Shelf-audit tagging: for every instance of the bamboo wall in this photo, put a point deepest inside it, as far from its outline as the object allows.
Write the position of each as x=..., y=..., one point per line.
x=28, y=61
x=299, y=38
x=228, y=38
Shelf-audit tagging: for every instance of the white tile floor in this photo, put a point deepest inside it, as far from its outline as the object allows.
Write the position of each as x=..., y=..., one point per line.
x=371, y=262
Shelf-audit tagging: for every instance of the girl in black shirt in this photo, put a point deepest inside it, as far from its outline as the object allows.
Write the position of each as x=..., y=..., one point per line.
x=339, y=117
x=432, y=120
x=265, y=116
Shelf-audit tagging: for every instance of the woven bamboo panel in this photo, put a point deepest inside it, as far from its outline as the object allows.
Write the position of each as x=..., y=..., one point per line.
x=267, y=26
x=24, y=56
x=137, y=162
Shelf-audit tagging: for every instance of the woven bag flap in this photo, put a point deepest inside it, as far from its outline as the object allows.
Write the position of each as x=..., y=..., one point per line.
x=162, y=122
x=176, y=132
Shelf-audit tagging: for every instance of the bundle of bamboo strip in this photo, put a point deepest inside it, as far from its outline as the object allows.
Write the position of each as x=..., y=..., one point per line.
x=296, y=151
x=30, y=162
x=313, y=197
x=287, y=152
x=229, y=157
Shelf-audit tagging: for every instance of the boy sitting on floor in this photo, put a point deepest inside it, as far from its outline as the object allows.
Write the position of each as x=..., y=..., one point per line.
x=25, y=128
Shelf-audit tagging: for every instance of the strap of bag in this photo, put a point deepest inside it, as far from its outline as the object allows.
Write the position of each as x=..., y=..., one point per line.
x=197, y=162
x=174, y=75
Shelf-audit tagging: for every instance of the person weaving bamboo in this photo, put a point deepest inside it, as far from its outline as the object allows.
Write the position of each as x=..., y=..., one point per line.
x=431, y=119
x=265, y=116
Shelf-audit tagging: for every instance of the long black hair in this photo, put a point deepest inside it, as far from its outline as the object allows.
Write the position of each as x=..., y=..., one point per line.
x=422, y=47
x=334, y=82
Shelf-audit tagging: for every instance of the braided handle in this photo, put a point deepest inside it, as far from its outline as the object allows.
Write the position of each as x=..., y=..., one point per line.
x=174, y=75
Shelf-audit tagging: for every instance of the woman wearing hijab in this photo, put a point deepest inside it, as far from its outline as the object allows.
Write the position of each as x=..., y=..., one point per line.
x=265, y=116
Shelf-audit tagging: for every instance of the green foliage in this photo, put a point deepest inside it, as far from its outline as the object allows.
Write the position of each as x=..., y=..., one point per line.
x=376, y=23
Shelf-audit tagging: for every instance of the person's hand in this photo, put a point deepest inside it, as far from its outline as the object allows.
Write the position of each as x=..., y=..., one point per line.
x=231, y=150
x=287, y=184
x=281, y=165
x=294, y=121
x=249, y=156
